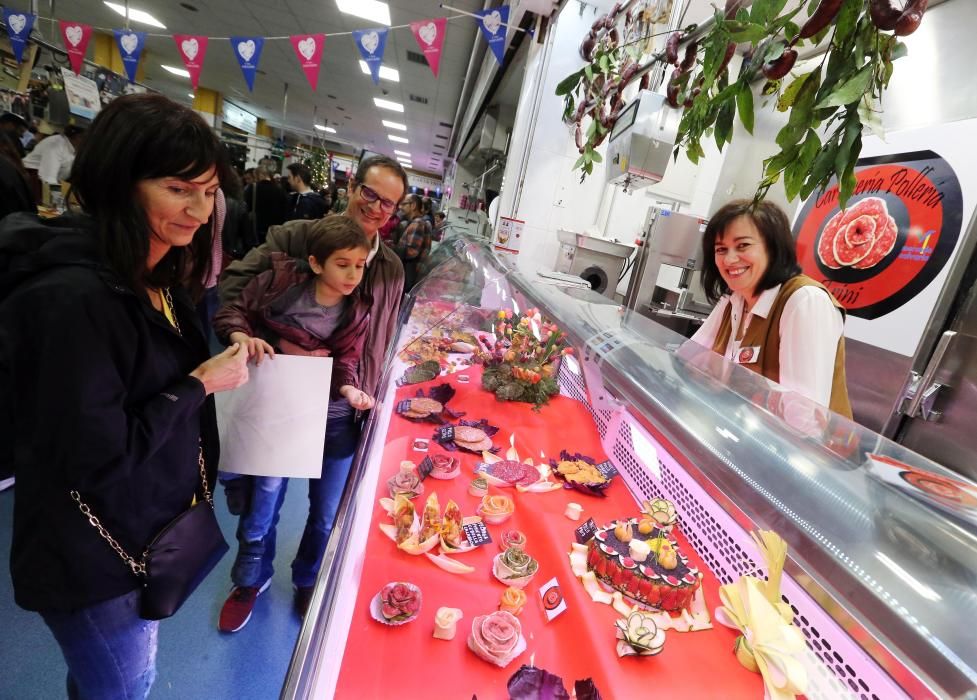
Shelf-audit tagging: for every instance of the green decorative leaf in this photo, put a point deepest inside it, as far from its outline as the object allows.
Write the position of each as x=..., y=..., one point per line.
x=899, y=50
x=724, y=124
x=791, y=30
x=566, y=86
x=588, y=71
x=580, y=161
x=595, y=157
x=605, y=64
x=592, y=129
x=750, y=33
x=780, y=161
x=774, y=50
x=820, y=170
x=790, y=93
x=847, y=20
x=848, y=179
x=744, y=105
x=851, y=90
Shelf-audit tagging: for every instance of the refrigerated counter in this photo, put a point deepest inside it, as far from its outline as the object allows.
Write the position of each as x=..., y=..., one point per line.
x=882, y=542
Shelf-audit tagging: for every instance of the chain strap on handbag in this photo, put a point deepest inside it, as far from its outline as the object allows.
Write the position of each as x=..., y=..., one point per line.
x=138, y=566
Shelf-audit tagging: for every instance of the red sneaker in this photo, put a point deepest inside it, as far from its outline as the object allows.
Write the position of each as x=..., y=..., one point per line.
x=238, y=606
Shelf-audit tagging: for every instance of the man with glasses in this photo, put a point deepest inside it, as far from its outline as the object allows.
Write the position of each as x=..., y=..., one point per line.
x=374, y=192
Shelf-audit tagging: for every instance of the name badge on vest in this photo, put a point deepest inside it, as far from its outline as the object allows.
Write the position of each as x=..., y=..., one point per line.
x=747, y=356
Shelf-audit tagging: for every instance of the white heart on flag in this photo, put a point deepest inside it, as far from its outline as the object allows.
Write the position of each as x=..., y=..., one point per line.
x=74, y=34
x=492, y=21
x=307, y=48
x=129, y=42
x=428, y=33
x=370, y=42
x=246, y=49
x=17, y=23
x=190, y=48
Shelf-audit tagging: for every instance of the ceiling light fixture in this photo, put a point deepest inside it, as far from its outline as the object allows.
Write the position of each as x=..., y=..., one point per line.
x=327, y=129
x=176, y=71
x=191, y=95
x=402, y=153
x=367, y=9
x=391, y=74
x=137, y=15
x=387, y=104
x=395, y=125
x=398, y=139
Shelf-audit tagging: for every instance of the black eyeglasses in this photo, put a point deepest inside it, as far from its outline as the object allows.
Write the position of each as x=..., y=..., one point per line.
x=371, y=196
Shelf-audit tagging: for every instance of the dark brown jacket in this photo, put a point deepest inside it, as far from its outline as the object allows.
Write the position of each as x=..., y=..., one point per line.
x=382, y=287
x=250, y=313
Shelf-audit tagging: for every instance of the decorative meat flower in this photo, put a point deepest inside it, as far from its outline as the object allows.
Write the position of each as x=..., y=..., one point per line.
x=497, y=638
x=399, y=601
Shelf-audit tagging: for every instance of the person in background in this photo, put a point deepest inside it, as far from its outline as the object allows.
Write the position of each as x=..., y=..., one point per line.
x=13, y=127
x=388, y=230
x=770, y=318
x=30, y=138
x=342, y=202
x=238, y=235
x=301, y=307
x=428, y=207
x=15, y=195
x=440, y=225
x=415, y=245
x=50, y=161
x=375, y=189
x=248, y=178
x=304, y=202
x=266, y=201
x=106, y=382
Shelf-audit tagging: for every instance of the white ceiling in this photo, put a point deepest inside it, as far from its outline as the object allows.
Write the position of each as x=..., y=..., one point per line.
x=345, y=94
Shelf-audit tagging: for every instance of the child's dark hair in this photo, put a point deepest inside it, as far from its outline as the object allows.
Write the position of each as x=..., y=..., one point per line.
x=335, y=233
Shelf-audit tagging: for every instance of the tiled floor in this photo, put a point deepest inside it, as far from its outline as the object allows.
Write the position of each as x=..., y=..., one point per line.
x=195, y=660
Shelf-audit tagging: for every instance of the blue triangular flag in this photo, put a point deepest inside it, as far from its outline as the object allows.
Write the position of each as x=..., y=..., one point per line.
x=494, y=22
x=130, y=47
x=371, y=43
x=248, y=52
x=19, y=25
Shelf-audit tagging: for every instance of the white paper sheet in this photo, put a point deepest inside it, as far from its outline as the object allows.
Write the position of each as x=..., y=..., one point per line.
x=275, y=424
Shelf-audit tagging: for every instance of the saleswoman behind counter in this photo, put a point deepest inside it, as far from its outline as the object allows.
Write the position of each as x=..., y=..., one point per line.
x=769, y=317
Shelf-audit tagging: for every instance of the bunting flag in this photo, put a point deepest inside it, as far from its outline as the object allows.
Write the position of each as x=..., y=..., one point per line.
x=429, y=34
x=19, y=27
x=494, y=23
x=130, y=47
x=248, y=52
x=371, y=43
x=308, y=49
x=75, y=37
x=192, y=50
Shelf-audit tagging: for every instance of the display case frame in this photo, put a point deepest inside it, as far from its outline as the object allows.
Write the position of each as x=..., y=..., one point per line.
x=777, y=463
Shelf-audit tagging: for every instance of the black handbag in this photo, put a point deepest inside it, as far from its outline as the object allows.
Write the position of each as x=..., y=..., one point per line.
x=177, y=559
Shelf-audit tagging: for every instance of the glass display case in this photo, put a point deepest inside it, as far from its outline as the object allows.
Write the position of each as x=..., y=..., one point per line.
x=880, y=572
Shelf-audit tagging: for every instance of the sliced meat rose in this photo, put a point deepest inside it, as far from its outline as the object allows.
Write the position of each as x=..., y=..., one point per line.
x=885, y=241
x=848, y=252
x=827, y=241
x=861, y=231
x=496, y=637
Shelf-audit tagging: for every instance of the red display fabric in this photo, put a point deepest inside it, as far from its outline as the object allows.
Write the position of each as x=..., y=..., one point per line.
x=408, y=662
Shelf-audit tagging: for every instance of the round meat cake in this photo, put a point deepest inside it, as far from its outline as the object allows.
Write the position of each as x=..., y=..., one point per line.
x=425, y=406
x=513, y=472
x=466, y=433
x=648, y=582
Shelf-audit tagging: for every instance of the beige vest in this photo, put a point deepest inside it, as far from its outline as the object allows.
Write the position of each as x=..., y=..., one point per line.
x=765, y=334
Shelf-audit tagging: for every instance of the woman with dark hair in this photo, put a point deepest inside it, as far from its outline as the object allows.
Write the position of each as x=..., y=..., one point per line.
x=15, y=191
x=770, y=318
x=107, y=414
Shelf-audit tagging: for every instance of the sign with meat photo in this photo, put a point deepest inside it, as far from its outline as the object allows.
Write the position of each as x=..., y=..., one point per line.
x=893, y=239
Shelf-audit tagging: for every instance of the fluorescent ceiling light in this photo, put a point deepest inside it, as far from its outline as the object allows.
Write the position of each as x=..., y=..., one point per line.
x=402, y=153
x=398, y=139
x=367, y=9
x=404, y=160
x=327, y=129
x=391, y=74
x=137, y=15
x=176, y=71
x=395, y=125
x=191, y=96
x=387, y=104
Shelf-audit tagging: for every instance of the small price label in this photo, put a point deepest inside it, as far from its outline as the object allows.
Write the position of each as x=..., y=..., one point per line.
x=425, y=468
x=586, y=531
x=552, y=597
x=607, y=469
x=477, y=534
x=403, y=406
x=446, y=433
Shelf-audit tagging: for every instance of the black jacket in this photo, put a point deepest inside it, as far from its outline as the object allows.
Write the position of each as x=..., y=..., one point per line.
x=94, y=396
x=310, y=205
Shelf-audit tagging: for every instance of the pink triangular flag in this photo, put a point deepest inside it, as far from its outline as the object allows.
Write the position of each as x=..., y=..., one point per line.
x=429, y=34
x=308, y=49
x=75, y=36
x=192, y=49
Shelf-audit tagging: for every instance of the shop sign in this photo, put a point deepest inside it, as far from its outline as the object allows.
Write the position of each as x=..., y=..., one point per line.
x=508, y=235
x=238, y=118
x=82, y=94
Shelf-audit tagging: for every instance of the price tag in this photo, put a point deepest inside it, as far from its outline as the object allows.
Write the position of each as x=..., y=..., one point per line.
x=403, y=406
x=425, y=468
x=552, y=598
x=476, y=534
x=446, y=433
x=607, y=469
x=586, y=531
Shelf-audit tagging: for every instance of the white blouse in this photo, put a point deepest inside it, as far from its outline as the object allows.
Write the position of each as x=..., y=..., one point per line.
x=810, y=328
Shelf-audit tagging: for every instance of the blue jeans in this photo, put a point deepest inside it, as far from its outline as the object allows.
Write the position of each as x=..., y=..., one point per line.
x=109, y=649
x=257, y=533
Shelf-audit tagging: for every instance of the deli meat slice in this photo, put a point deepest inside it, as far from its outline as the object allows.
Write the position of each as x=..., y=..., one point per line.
x=854, y=240
x=514, y=472
x=826, y=244
x=859, y=237
x=885, y=241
